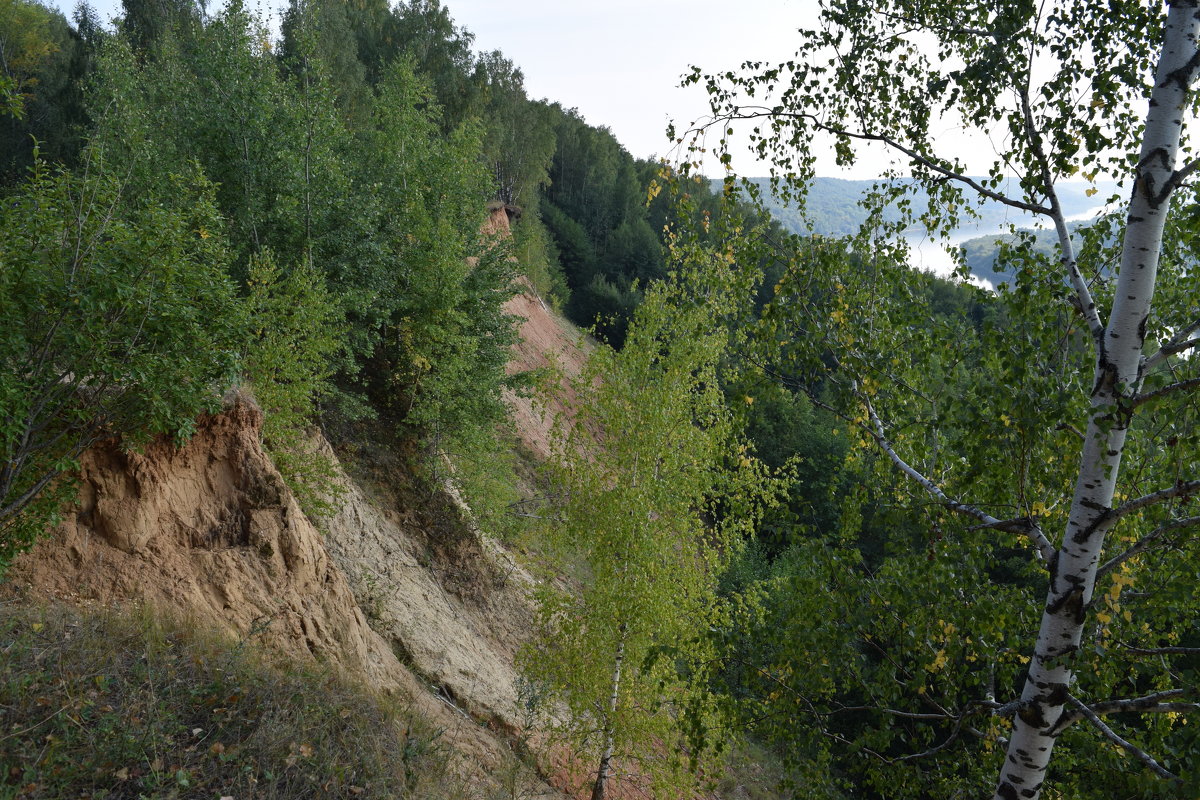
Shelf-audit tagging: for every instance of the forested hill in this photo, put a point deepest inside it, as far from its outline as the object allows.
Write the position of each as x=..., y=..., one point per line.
x=834, y=206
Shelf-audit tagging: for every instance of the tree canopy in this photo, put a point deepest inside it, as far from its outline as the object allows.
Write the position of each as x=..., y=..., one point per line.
x=1046, y=447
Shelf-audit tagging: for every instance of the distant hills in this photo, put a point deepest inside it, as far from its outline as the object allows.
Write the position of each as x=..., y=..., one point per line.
x=834, y=208
x=981, y=253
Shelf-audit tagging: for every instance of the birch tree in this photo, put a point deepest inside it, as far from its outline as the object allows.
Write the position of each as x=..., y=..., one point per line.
x=1089, y=354
x=648, y=471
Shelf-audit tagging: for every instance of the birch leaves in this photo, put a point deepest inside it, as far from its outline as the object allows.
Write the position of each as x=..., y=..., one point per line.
x=648, y=472
x=1030, y=426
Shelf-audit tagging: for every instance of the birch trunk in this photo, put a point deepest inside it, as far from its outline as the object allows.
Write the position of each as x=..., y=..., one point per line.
x=1118, y=376
x=600, y=786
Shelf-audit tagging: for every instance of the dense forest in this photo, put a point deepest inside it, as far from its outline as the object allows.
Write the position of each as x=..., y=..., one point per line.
x=822, y=503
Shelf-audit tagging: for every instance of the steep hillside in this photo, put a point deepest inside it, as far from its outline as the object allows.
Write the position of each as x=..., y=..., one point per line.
x=397, y=589
x=209, y=532
x=547, y=342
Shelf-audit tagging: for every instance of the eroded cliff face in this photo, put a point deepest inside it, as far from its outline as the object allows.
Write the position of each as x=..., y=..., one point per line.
x=457, y=620
x=209, y=532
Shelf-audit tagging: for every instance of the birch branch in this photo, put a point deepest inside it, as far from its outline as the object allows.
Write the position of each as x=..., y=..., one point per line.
x=1135, y=751
x=930, y=715
x=953, y=737
x=1181, y=341
x=1149, y=704
x=1023, y=526
x=1144, y=544
x=918, y=157
x=1162, y=651
x=955, y=30
x=1136, y=705
x=1180, y=489
x=1182, y=174
x=1087, y=305
x=1178, y=386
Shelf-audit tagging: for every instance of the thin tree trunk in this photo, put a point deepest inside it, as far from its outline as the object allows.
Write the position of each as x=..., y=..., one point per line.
x=1118, y=376
x=600, y=786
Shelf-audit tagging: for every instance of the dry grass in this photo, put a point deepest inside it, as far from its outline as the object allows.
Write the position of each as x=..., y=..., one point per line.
x=119, y=705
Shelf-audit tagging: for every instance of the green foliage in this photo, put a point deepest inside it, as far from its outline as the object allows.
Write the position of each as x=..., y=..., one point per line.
x=293, y=337
x=424, y=31
x=878, y=652
x=534, y=249
x=108, y=704
x=594, y=209
x=425, y=340
x=323, y=32
x=854, y=562
x=989, y=257
x=121, y=317
x=493, y=474
x=439, y=356
x=649, y=472
x=520, y=138
x=25, y=45
x=636, y=247
x=576, y=253
x=43, y=64
x=787, y=431
x=146, y=23
x=609, y=307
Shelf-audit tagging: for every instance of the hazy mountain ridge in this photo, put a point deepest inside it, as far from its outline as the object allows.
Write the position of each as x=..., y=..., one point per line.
x=833, y=206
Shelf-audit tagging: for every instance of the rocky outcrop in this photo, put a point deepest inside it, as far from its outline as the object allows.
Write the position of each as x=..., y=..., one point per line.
x=462, y=642
x=209, y=530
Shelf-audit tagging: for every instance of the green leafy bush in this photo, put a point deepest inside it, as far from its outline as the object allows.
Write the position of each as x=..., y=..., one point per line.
x=120, y=319
x=294, y=333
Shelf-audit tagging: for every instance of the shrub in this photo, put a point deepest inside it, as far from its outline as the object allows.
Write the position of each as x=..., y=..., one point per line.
x=294, y=333
x=119, y=320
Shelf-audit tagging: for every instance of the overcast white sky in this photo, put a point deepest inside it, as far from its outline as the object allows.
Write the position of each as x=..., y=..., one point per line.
x=619, y=61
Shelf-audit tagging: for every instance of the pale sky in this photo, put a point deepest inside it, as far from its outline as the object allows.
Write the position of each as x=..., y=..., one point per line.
x=620, y=61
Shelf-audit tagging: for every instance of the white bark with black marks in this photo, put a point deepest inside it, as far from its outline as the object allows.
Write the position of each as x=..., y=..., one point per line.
x=601, y=785
x=1047, y=694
